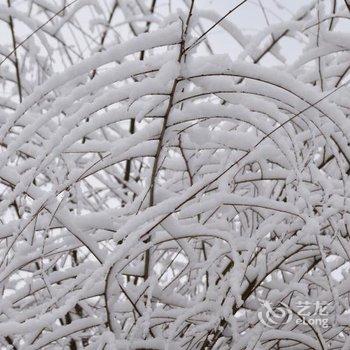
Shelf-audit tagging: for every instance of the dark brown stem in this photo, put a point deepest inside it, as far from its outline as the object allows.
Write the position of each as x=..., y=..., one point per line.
x=18, y=75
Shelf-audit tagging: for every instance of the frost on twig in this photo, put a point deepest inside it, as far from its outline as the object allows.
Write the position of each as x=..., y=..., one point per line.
x=156, y=194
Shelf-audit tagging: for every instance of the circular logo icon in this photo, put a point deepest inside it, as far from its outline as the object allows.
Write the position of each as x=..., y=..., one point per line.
x=272, y=316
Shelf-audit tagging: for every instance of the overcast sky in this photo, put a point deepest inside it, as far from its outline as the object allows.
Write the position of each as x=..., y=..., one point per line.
x=250, y=18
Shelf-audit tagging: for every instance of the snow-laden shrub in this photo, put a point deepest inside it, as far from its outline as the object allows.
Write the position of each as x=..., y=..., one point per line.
x=157, y=195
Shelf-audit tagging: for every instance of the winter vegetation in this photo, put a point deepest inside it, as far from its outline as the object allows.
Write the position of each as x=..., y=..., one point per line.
x=162, y=188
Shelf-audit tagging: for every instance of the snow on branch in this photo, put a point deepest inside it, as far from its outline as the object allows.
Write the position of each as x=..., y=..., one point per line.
x=164, y=188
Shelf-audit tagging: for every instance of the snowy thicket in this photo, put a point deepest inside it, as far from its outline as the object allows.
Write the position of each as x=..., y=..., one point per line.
x=157, y=195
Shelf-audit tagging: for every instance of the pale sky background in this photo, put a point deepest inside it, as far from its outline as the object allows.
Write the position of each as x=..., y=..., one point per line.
x=250, y=18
